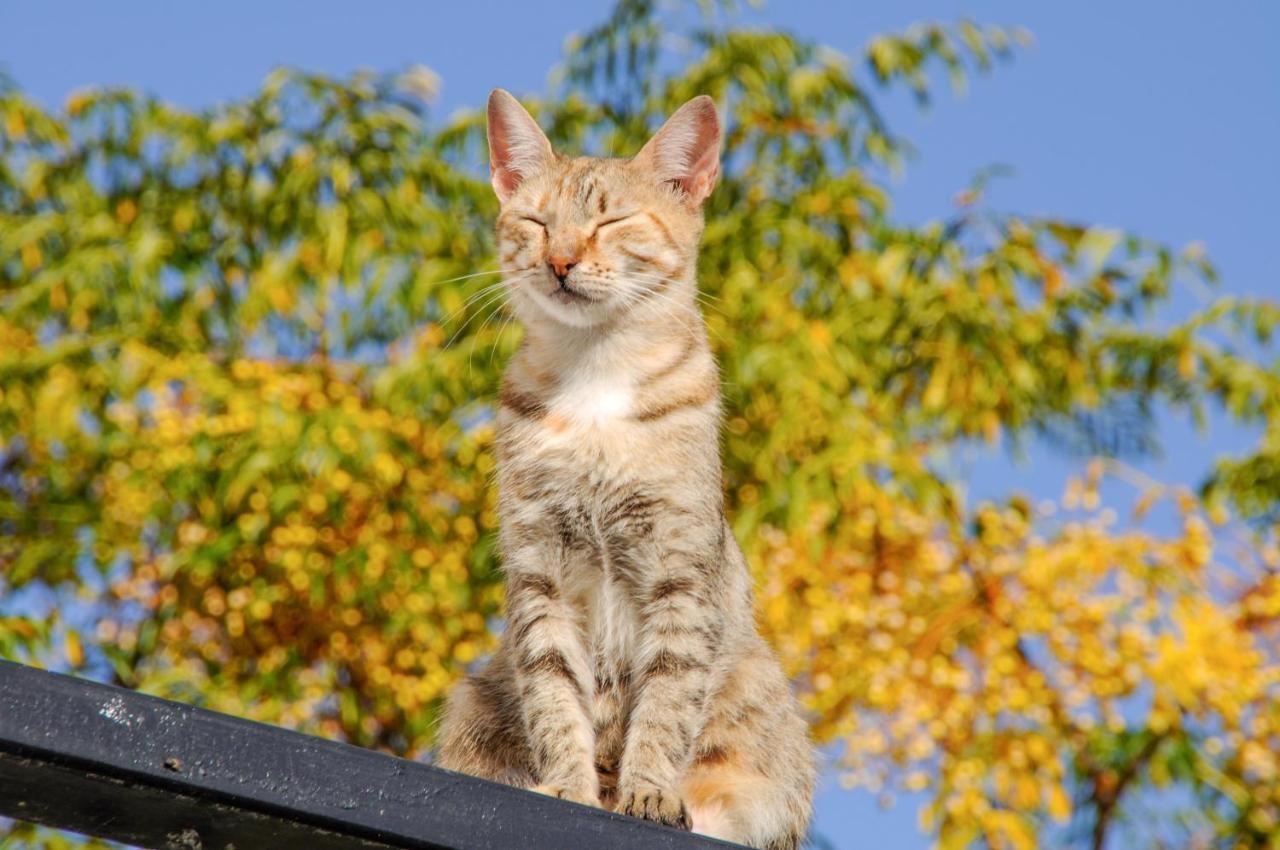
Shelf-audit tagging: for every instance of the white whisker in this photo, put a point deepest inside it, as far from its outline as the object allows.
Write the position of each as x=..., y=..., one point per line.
x=651, y=276
x=704, y=298
x=475, y=339
x=519, y=272
x=496, y=296
x=510, y=320
x=668, y=302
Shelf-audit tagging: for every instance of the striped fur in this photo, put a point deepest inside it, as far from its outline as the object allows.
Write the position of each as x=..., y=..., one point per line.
x=630, y=674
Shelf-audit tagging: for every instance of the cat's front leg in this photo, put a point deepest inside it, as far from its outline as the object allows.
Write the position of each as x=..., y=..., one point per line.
x=680, y=627
x=552, y=674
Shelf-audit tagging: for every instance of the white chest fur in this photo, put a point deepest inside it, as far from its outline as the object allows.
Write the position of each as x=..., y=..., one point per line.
x=594, y=401
x=590, y=424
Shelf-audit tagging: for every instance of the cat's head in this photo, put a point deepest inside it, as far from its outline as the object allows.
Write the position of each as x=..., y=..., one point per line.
x=586, y=240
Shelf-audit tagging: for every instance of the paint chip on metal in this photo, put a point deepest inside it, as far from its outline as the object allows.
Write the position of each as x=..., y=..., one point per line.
x=115, y=711
x=188, y=839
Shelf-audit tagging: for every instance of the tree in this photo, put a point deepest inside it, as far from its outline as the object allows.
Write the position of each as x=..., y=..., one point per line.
x=248, y=359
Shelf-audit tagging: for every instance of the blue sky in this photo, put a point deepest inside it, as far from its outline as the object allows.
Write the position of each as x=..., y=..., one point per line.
x=1158, y=117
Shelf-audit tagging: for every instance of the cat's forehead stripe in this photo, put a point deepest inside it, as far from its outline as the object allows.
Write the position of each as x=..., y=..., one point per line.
x=582, y=185
x=566, y=180
x=571, y=180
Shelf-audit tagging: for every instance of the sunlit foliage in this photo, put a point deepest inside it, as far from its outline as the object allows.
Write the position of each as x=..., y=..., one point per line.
x=248, y=359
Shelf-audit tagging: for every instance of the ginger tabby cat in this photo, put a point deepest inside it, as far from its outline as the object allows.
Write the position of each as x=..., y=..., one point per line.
x=630, y=675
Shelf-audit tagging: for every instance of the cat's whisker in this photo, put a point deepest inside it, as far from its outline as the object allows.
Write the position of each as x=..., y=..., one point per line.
x=509, y=322
x=466, y=277
x=516, y=274
x=473, y=299
x=480, y=332
x=668, y=299
x=513, y=273
x=480, y=303
x=651, y=276
x=705, y=299
x=661, y=296
x=496, y=296
x=665, y=312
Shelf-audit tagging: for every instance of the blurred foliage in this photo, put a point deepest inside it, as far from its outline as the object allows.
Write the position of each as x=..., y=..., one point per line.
x=248, y=358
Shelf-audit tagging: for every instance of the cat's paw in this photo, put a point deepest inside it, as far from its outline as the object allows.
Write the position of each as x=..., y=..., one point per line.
x=574, y=795
x=653, y=803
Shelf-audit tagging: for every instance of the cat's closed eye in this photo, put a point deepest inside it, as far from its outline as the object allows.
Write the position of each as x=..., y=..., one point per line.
x=609, y=222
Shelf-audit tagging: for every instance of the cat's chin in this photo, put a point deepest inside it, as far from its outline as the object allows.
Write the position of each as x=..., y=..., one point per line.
x=564, y=311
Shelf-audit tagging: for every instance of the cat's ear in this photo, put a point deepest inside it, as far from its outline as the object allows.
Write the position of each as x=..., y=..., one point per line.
x=686, y=150
x=517, y=146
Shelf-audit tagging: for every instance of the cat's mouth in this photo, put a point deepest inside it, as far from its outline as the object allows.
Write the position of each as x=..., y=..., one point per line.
x=568, y=294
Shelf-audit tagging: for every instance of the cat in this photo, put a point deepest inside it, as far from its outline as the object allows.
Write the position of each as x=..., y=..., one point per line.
x=631, y=674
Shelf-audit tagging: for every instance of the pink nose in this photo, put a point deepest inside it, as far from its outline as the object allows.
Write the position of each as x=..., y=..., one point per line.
x=561, y=264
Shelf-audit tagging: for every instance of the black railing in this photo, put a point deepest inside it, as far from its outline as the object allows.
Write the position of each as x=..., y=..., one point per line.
x=112, y=763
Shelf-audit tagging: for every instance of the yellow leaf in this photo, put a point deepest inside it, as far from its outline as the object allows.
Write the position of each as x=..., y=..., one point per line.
x=935, y=391
x=126, y=211
x=31, y=256
x=1059, y=804
x=74, y=649
x=1187, y=364
x=15, y=124
x=890, y=266
x=77, y=101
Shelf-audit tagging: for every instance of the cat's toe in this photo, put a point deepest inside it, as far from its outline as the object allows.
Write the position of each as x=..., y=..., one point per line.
x=573, y=795
x=655, y=804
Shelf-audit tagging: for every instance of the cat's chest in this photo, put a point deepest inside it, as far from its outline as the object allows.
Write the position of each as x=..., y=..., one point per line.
x=590, y=428
x=609, y=621
x=593, y=405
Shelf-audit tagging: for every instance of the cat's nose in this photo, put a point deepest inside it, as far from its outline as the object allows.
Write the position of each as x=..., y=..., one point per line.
x=561, y=264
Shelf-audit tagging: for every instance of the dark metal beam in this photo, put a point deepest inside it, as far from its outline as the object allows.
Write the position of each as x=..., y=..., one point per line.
x=116, y=764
